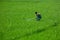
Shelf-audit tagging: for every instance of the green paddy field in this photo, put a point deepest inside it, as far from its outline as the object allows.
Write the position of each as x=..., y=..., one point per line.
x=17, y=20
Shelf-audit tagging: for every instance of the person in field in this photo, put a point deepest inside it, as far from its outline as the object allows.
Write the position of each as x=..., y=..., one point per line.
x=38, y=16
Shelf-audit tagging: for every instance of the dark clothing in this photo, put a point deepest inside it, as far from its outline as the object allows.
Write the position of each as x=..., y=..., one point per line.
x=38, y=16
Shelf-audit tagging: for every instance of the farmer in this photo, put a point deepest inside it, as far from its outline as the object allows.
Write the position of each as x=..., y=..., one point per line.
x=38, y=16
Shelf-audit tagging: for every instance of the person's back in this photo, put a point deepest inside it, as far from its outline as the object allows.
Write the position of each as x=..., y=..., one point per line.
x=39, y=15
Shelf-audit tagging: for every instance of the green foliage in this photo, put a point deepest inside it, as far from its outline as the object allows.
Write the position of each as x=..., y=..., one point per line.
x=17, y=20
